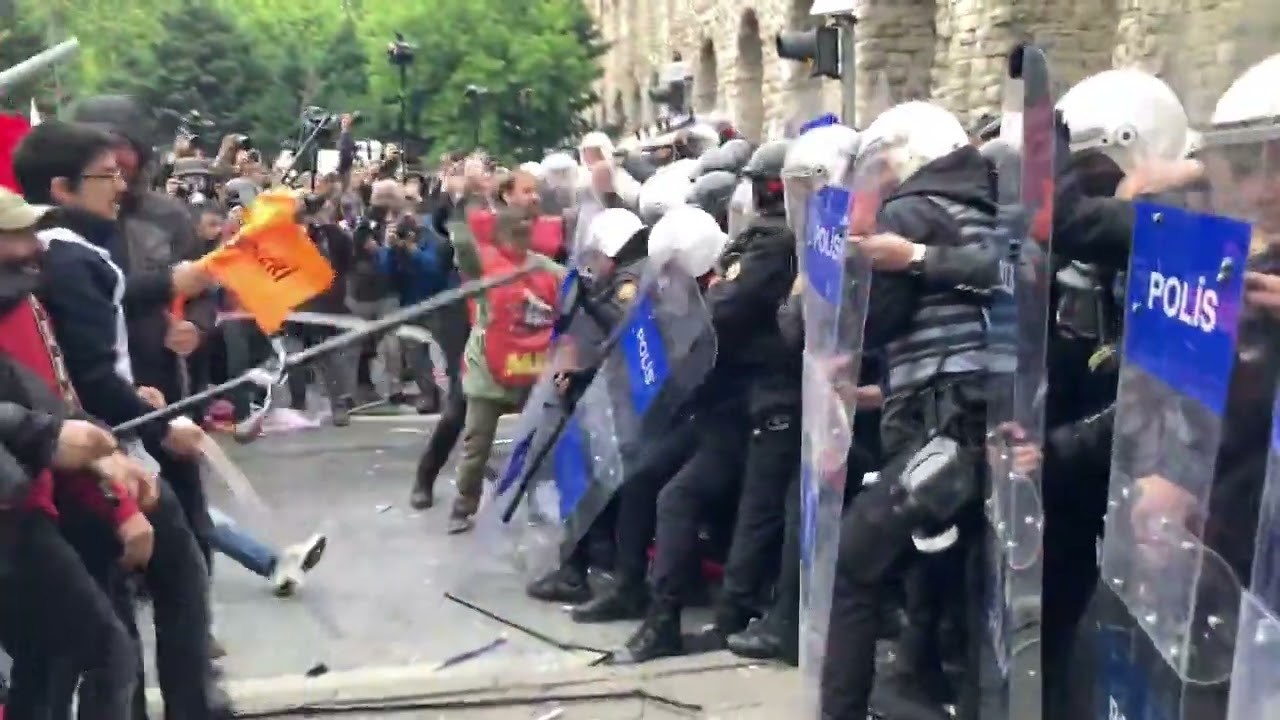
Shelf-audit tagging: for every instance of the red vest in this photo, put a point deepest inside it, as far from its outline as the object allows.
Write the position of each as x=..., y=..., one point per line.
x=27, y=339
x=547, y=236
x=521, y=313
x=23, y=341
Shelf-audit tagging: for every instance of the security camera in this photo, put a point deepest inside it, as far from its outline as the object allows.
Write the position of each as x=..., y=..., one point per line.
x=474, y=91
x=832, y=7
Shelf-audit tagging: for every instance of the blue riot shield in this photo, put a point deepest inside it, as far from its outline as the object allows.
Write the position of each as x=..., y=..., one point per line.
x=833, y=286
x=1017, y=326
x=575, y=439
x=1166, y=608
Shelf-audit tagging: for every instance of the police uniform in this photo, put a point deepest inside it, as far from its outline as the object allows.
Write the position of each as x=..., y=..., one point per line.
x=753, y=394
x=607, y=302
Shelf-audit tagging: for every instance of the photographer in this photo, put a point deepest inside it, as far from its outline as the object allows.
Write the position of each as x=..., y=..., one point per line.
x=336, y=370
x=412, y=260
x=370, y=294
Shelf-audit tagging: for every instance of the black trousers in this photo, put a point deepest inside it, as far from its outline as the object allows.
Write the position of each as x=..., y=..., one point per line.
x=444, y=437
x=179, y=587
x=708, y=482
x=636, y=516
x=184, y=478
x=56, y=620
x=773, y=461
x=597, y=546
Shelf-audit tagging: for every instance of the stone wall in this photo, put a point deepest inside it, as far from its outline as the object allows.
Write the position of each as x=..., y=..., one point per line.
x=950, y=51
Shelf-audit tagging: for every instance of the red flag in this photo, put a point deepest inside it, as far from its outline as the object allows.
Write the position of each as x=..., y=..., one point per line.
x=12, y=129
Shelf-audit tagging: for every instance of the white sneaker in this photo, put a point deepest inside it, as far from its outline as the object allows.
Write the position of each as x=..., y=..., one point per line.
x=294, y=562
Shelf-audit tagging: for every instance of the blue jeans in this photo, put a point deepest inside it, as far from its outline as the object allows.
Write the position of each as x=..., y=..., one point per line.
x=230, y=540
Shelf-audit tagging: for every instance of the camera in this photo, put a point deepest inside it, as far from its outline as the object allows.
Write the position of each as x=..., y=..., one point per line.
x=474, y=92
x=400, y=52
x=317, y=118
x=312, y=203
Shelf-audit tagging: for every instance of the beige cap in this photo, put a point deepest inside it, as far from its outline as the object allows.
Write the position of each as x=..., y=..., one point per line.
x=16, y=213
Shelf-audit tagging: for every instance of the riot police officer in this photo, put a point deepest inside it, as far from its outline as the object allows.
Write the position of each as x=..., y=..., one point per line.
x=937, y=191
x=614, y=255
x=697, y=242
x=753, y=395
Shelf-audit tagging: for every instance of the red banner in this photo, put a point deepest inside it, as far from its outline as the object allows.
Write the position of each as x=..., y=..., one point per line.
x=12, y=129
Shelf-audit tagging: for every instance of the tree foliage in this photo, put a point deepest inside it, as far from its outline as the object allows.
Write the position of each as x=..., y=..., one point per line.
x=251, y=65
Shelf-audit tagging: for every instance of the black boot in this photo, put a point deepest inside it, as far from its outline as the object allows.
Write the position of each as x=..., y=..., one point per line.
x=766, y=639
x=623, y=601
x=732, y=617
x=657, y=637
x=568, y=584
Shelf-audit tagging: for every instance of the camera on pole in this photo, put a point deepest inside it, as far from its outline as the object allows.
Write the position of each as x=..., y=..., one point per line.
x=400, y=52
x=673, y=88
x=818, y=48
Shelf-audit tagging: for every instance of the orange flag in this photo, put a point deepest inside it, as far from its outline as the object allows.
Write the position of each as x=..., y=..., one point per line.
x=271, y=265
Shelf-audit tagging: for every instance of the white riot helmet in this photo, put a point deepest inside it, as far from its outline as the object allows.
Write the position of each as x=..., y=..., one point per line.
x=594, y=142
x=685, y=167
x=911, y=135
x=661, y=193
x=610, y=230
x=1127, y=115
x=690, y=237
x=825, y=151
x=1253, y=97
x=533, y=168
x=559, y=169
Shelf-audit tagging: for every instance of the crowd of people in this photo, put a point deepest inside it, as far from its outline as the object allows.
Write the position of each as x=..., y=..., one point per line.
x=106, y=315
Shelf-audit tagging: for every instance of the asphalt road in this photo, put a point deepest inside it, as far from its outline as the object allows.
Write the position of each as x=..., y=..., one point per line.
x=377, y=599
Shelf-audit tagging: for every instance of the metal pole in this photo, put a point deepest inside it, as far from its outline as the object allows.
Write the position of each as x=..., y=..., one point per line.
x=848, y=71
x=337, y=342
x=36, y=64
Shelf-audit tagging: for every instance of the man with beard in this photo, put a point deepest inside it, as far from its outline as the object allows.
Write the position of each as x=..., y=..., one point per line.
x=51, y=610
x=83, y=286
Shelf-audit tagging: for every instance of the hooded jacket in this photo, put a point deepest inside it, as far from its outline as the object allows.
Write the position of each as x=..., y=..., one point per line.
x=83, y=287
x=155, y=232
x=928, y=330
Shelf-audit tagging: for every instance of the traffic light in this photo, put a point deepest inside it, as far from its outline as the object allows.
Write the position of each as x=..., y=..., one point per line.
x=818, y=48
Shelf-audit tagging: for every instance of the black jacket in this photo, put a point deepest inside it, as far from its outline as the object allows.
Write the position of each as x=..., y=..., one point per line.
x=760, y=269
x=963, y=177
x=157, y=232
x=338, y=248
x=28, y=440
x=87, y=297
x=1089, y=227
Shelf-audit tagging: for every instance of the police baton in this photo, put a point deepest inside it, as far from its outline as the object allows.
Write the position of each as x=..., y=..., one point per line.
x=36, y=64
x=276, y=370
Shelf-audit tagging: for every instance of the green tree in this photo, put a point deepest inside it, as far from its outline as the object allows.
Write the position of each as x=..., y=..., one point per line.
x=343, y=71
x=201, y=61
x=537, y=61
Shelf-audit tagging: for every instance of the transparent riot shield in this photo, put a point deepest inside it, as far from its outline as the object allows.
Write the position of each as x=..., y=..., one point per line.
x=1241, y=146
x=1195, y=392
x=1168, y=599
x=1017, y=332
x=833, y=286
x=1255, y=679
x=612, y=383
